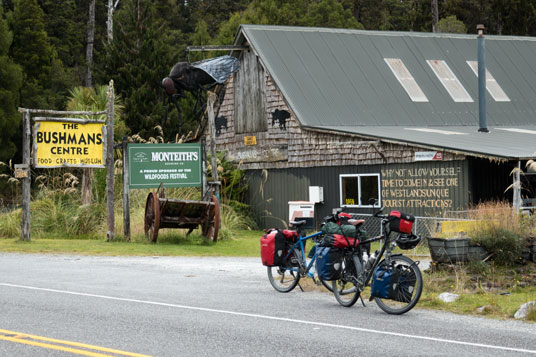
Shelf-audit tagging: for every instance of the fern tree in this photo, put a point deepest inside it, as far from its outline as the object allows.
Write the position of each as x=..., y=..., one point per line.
x=94, y=100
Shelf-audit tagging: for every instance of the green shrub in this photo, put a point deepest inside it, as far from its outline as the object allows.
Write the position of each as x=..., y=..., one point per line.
x=532, y=314
x=506, y=245
x=10, y=224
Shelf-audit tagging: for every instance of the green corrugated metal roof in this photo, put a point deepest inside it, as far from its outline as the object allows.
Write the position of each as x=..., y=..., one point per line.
x=336, y=78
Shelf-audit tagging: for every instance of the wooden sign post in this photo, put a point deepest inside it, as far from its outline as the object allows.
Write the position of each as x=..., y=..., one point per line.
x=66, y=142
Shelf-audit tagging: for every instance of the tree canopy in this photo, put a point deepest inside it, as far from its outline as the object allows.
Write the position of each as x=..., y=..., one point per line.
x=43, y=44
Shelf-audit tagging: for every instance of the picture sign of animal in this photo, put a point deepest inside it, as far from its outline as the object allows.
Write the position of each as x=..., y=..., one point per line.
x=280, y=116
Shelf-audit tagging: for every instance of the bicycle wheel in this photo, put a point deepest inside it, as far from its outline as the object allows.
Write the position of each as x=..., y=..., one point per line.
x=326, y=284
x=345, y=291
x=409, y=287
x=284, y=278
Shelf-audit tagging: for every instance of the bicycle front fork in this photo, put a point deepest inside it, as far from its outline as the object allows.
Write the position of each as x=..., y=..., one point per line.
x=360, y=272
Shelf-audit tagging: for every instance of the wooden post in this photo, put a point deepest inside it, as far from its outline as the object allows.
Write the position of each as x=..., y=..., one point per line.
x=26, y=181
x=126, y=191
x=516, y=199
x=204, y=166
x=110, y=215
x=212, y=131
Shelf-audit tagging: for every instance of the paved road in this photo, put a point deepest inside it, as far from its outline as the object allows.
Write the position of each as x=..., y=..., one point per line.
x=162, y=306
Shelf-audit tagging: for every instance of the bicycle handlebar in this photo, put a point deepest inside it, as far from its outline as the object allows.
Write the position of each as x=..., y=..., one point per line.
x=377, y=214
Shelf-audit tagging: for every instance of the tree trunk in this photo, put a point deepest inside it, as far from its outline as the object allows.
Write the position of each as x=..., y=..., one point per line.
x=435, y=15
x=110, y=21
x=90, y=40
x=87, y=189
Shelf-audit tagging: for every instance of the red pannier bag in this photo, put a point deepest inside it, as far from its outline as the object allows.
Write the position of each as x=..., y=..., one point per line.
x=273, y=248
x=401, y=222
x=341, y=241
x=291, y=236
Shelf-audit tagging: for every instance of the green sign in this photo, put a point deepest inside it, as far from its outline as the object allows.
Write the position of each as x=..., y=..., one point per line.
x=174, y=165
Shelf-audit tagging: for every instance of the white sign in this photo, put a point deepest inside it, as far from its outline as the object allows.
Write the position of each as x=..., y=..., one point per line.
x=428, y=155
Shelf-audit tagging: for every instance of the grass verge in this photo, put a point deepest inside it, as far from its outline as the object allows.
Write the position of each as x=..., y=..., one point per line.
x=485, y=290
x=170, y=243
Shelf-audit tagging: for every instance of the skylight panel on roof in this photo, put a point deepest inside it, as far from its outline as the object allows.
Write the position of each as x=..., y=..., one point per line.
x=406, y=79
x=491, y=84
x=449, y=81
x=436, y=131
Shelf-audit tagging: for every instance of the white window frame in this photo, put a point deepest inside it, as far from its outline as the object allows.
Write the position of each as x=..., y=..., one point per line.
x=341, y=199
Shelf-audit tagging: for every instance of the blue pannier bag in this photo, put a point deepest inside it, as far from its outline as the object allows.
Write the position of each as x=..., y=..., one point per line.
x=329, y=263
x=381, y=282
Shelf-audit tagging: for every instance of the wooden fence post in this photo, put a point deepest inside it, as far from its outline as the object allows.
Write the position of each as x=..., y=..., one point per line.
x=110, y=215
x=126, y=191
x=26, y=181
x=212, y=130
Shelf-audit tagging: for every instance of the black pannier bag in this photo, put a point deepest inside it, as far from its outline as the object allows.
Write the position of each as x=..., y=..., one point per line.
x=329, y=263
x=402, y=284
x=401, y=222
x=395, y=283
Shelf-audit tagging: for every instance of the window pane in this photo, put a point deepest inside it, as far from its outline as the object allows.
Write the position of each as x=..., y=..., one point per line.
x=349, y=191
x=406, y=79
x=449, y=80
x=369, y=189
x=492, y=85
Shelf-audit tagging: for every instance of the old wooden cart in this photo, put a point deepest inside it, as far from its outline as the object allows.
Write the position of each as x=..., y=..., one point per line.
x=162, y=212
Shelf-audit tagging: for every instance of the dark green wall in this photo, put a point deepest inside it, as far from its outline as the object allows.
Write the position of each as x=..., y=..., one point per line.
x=427, y=188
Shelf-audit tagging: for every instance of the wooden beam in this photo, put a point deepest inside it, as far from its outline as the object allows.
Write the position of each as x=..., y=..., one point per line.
x=26, y=181
x=71, y=120
x=59, y=112
x=212, y=131
x=110, y=214
x=126, y=191
x=517, y=203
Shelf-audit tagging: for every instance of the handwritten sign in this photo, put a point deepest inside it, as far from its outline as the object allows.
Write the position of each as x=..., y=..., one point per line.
x=67, y=143
x=427, y=188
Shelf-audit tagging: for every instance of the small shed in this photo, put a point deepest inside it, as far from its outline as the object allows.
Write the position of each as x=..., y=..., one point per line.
x=388, y=115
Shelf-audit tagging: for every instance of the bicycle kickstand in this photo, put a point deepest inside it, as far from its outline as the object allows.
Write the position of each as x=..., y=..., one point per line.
x=300, y=287
x=363, y=302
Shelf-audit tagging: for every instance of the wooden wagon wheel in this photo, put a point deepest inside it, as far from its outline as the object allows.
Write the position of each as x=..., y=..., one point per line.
x=212, y=225
x=152, y=217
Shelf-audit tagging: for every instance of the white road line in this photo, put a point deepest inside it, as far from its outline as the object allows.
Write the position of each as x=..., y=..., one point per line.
x=266, y=317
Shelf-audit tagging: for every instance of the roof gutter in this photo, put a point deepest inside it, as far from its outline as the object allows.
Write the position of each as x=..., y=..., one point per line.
x=415, y=144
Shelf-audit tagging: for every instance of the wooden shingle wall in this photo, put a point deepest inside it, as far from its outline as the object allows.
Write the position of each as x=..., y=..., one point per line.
x=291, y=146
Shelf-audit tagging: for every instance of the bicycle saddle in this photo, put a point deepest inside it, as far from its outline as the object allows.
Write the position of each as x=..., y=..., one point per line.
x=297, y=223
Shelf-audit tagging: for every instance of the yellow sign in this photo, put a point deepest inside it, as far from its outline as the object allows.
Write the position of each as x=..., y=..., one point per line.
x=250, y=140
x=73, y=144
